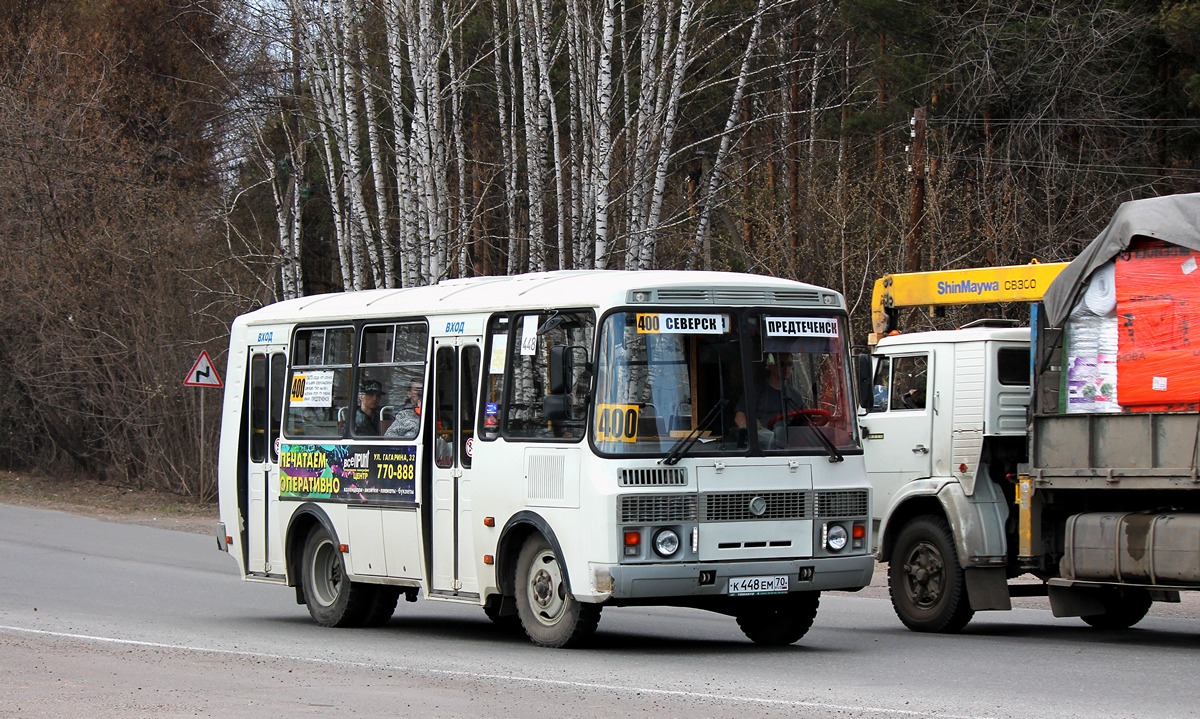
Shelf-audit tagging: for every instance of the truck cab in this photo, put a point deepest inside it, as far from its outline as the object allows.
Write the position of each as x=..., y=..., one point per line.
x=944, y=432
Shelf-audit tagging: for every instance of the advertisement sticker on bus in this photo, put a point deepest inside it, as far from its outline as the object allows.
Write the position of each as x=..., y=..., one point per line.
x=660, y=323
x=348, y=472
x=312, y=389
x=801, y=326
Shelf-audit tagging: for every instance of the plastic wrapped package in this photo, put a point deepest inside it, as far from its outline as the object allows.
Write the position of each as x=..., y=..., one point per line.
x=1091, y=372
x=1158, y=308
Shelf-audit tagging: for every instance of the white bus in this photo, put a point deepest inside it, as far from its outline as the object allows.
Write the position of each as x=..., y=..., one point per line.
x=549, y=444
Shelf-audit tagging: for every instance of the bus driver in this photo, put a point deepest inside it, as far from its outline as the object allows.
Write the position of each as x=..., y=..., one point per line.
x=773, y=397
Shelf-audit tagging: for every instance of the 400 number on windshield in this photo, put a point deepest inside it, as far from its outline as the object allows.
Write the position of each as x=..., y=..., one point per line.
x=616, y=422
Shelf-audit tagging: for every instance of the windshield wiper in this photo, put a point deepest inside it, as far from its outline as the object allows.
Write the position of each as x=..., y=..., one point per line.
x=830, y=448
x=681, y=447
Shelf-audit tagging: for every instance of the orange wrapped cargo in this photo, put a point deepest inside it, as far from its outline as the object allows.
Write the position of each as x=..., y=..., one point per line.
x=1158, y=311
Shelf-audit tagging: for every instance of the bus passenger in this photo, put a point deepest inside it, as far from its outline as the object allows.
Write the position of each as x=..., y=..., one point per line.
x=366, y=417
x=408, y=418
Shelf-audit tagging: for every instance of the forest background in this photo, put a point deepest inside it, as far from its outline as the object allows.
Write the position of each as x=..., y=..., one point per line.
x=168, y=164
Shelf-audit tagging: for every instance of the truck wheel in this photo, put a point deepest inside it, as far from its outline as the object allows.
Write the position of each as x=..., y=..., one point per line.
x=926, y=583
x=332, y=599
x=1122, y=609
x=551, y=616
x=779, y=623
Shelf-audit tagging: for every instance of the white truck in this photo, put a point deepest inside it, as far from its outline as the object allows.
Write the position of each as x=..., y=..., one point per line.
x=1064, y=466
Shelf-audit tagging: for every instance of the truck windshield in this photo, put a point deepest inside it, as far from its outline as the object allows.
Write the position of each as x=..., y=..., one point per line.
x=660, y=374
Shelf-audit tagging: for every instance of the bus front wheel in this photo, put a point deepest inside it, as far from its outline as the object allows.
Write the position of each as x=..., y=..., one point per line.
x=550, y=615
x=779, y=621
x=332, y=599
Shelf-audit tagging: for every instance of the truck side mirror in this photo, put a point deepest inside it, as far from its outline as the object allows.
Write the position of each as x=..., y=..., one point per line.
x=866, y=388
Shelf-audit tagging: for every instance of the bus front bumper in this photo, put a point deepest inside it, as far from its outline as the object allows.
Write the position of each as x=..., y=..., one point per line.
x=701, y=579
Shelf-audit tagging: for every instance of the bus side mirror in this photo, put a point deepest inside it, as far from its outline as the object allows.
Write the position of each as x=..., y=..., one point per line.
x=566, y=361
x=556, y=407
x=866, y=387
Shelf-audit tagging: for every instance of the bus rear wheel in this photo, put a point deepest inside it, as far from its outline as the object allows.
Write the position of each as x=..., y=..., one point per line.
x=332, y=599
x=779, y=621
x=550, y=615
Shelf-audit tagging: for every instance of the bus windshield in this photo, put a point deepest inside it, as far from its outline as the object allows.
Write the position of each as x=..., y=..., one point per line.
x=662, y=376
x=798, y=395
x=659, y=375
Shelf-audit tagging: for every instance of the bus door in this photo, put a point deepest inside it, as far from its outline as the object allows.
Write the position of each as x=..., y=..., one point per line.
x=456, y=378
x=267, y=374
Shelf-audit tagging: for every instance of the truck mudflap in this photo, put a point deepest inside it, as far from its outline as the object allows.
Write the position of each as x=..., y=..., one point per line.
x=1141, y=548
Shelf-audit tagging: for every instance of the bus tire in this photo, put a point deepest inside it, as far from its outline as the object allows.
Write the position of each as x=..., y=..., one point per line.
x=926, y=582
x=1122, y=609
x=332, y=599
x=550, y=615
x=507, y=622
x=382, y=605
x=777, y=622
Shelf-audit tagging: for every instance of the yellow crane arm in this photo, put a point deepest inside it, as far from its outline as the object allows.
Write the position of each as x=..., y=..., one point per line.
x=1010, y=283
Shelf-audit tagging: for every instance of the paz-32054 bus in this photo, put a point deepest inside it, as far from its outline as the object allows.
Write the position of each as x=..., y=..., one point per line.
x=549, y=444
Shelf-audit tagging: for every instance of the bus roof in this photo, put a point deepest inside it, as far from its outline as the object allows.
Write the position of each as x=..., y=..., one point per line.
x=562, y=288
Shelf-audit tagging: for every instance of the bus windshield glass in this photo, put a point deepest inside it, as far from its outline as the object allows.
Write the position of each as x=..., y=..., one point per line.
x=660, y=375
x=663, y=377
x=798, y=392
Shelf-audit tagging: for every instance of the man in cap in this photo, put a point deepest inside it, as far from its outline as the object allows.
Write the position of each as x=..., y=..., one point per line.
x=366, y=417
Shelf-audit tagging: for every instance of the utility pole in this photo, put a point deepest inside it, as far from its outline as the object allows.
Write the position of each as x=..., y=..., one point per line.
x=916, y=210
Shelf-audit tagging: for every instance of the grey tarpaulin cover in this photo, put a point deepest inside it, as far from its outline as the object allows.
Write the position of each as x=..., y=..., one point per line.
x=1173, y=218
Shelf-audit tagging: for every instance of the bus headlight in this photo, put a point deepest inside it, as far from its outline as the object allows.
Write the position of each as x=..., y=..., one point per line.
x=666, y=542
x=835, y=537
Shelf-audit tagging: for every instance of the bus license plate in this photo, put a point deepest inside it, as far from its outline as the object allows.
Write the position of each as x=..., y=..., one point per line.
x=777, y=584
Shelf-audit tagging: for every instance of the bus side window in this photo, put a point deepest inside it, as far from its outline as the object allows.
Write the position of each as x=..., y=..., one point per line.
x=529, y=366
x=493, y=383
x=319, y=391
x=393, y=356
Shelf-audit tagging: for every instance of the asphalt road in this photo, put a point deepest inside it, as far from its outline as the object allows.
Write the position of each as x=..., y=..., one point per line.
x=107, y=619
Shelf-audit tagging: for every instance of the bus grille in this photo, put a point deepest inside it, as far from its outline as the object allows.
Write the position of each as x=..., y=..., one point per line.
x=735, y=506
x=654, y=477
x=846, y=503
x=654, y=508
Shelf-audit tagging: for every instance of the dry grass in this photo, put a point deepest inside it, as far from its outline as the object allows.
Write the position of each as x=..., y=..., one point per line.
x=108, y=502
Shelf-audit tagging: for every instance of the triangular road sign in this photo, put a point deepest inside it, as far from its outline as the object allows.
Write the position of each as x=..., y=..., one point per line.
x=203, y=374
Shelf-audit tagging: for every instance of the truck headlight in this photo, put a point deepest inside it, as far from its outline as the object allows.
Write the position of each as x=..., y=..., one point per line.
x=835, y=537
x=666, y=542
